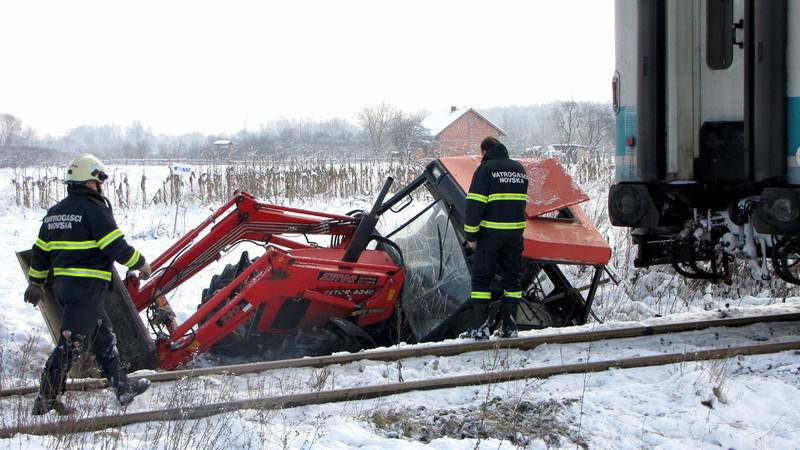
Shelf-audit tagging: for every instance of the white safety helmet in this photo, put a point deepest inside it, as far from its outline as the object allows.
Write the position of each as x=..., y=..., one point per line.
x=86, y=167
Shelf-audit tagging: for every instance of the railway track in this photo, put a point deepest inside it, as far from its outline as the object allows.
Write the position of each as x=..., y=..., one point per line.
x=85, y=424
x=70, y=425
x=522, y=343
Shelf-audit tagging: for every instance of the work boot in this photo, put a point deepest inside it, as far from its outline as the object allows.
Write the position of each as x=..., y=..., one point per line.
x=478, y=334
x=479, y=327
x=42, y=406
x=131, y=389
x=508, y=319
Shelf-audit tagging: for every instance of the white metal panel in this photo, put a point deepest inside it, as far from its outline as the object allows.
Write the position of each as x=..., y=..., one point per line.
x=682, y=65
x=625, y=57
x=793, y=92
x=793, y=49
x=625, y=33
x=722, y=91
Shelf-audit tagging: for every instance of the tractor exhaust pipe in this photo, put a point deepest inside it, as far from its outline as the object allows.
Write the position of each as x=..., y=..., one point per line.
x=367, y=225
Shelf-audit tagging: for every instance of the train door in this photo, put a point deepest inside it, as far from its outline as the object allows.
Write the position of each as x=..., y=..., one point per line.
x=705, y=89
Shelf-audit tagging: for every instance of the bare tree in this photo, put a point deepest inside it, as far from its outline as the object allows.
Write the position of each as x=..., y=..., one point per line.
x=595, y=124
x=407, y=133
x=12, y=132
x=582, y=124
x=376, y=120
x=565, y=120
x=138, y=140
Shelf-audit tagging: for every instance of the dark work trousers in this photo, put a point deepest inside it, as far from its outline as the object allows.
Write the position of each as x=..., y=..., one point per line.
x=84, y=323
x=498, y=252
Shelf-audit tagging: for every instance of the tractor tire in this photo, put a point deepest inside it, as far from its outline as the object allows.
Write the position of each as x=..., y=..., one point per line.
x=330, y=338
x=229, y=345
x=318, y=341
x=225, y=277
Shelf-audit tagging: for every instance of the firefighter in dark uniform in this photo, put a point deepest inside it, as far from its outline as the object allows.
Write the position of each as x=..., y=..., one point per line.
x=79, y=241
x=494, y=225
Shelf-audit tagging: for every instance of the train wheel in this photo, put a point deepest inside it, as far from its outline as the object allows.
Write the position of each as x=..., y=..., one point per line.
x=786, y=260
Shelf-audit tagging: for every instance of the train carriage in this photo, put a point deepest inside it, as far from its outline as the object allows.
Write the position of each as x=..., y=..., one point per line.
x=707, y=101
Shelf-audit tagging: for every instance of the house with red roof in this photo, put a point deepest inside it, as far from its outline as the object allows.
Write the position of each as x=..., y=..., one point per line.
x=460, y=131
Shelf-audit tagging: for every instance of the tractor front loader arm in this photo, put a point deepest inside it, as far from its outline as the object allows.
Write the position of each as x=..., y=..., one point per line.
x=240, y=219
x=292, y=286
x=285, y=293
x=214, y=320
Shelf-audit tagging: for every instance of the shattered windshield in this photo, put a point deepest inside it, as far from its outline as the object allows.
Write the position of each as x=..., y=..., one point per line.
x=437, y=280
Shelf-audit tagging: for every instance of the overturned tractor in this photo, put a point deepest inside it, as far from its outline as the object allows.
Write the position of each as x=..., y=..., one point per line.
x=410, y=282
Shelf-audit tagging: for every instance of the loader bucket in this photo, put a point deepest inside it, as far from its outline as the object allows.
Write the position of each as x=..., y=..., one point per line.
x=137, y=350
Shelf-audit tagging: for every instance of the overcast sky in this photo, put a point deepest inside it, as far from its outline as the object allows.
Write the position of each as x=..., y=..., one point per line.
x=181, y=66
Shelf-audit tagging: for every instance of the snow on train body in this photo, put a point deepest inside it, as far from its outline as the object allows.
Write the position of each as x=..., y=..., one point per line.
x=707, y=101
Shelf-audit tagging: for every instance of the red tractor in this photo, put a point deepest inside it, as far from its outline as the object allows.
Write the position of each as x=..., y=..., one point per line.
x=410, y=283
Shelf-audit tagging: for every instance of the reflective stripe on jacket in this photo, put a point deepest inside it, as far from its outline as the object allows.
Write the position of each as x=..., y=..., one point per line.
x=497, y=195
x=80, y=238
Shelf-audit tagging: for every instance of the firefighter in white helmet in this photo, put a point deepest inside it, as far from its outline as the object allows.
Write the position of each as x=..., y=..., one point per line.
x=79, y=241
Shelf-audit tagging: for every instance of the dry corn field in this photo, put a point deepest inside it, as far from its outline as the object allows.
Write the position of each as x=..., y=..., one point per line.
x=141, y=186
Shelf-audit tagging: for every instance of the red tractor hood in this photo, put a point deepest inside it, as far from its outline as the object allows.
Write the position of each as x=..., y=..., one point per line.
x=550, y=189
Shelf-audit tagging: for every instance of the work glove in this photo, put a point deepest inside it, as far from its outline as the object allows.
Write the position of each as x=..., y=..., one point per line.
x=34, y=294
x=145, y=271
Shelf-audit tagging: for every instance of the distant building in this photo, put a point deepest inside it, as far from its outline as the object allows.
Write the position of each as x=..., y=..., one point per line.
x=460, y=131
x=224, y=145
x=562, y=152
x=572, y=152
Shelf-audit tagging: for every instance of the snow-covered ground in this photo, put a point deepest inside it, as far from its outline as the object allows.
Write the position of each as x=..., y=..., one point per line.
x=745, y=402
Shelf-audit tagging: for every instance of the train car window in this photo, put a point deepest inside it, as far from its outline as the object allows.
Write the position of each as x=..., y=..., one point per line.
x=719, y=34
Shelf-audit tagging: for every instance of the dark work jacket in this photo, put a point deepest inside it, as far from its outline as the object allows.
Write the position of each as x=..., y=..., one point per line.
x=79, y=238
x=497, y=195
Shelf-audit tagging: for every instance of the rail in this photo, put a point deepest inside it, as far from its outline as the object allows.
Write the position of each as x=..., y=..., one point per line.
x=368, y=392
x=522, y=343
